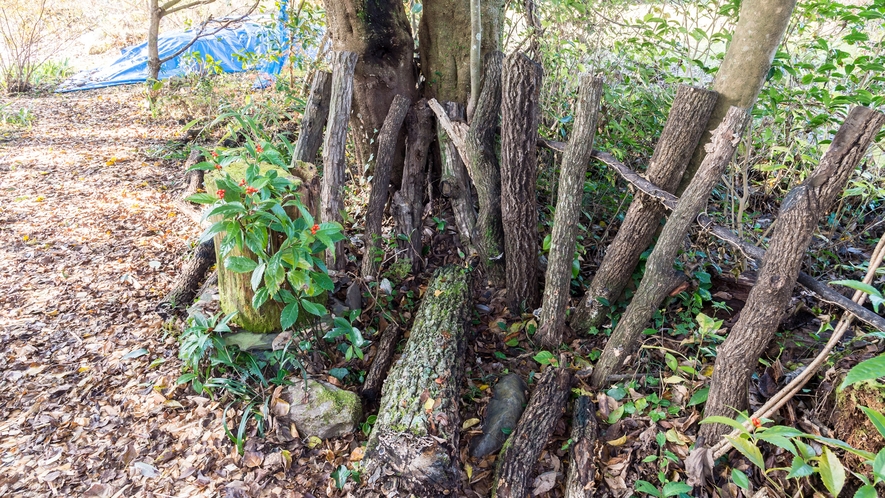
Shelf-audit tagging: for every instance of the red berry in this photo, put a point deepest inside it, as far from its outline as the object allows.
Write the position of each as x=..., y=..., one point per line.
x=220, y=194
x=217, y=166
x=214, y=154
x=242, y=182
x=756, y=422
x=251, y=190
x=258, y=148
x=314, y=229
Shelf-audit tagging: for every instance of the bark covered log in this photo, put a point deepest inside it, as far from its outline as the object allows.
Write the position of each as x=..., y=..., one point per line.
x=521, y=86
x=455, y=181
x=568, y=211
x=481, y=146
x=581, y=479
x=387, y=139
x=316, y=112
x=408, y=202
x=796, y=221
x=413, y=447
x=343, y=64
x=657, y=281
x=381, y=363
x=521, y=451
x=686, y=123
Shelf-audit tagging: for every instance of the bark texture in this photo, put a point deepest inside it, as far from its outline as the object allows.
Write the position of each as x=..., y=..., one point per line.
x=481, y=146
x=387, y=139
x=768, y=300
x=444, y=45
x=455, y=183
x=581, y=479
x=685, y=125
x=413, y=447
x=760, y=28
x=343, y=64
x=519, y=173
x=521, y=451
x=316, y=112
x=381, y=363
x=379, y=32
x=408, y=202
x=568, y=211
x=657, y=281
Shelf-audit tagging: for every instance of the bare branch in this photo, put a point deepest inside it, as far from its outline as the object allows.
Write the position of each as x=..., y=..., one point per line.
x=222, y=25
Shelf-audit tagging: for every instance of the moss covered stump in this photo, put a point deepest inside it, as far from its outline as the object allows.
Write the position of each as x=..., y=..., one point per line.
x=414, y=445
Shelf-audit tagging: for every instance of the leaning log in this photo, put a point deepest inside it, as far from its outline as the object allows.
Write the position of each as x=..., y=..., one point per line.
x=316, y=112
x=413, y=447
x=796, y=221
x=572, y=174
x=387, y=139
x=521, y=86
x=685, y=125
x=455, y=184
x=581, y=480
x=381, y=363
x=657, y=281
x=343, y=65
x=522, y=450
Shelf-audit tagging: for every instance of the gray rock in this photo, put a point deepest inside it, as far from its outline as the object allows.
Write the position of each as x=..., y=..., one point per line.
x=502, y=414
x=323, y=410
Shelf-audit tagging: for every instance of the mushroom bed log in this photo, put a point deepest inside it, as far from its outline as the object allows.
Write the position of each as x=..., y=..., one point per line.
x=413, y=447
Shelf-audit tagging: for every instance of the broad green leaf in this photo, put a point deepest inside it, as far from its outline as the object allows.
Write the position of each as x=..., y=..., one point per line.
x=339, y=373
x=671, y=362
x=240, y=264
x=289, y=315
x=832, y=473
x=699, y=397
x=646, y=487
x=675, y=488
x=781, y=430
x=313, y=308
x=876, y=418
x=323, y=281
x=725, y=420
x=854, y=284
x=202, y=198
x=800, y=469
x=777, y=440
x=749, y=450
x=866, y=492
x=260, y=297
x=298, y=280
x=740, y=479
x=545, y=358
x=879, y=465
x=865, y=370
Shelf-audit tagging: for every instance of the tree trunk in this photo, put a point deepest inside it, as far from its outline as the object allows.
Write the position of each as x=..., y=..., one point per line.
x=381, y=363
x=519, y=171
x=580, y=482
x=379, y=32
x=444, y=45
x=343, y=64
x=758, y=33
x=153, y=38
x=568, y=211
x=686, y=123
x=521, y=451
x=387, y=139
x=481, y=146
x=657, y=281
x=798, y=217
x=316, y=112
x=413, y=447
x=408, y=203
x=455, y=184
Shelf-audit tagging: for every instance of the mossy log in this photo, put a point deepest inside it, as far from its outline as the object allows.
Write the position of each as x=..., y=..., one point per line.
x=413, y=447
x=235, y=289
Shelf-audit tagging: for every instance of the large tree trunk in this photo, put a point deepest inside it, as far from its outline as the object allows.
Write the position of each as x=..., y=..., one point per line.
x=658, y=278
x=519, y=171
x=343, y=64
x=408, y=202
x=379, y=32
x=455, y=184
x=481, y=146
x=759, y=31
x=316, y=112
x=444, y=45
x=521, y=451
x=686, y=123
x=568, y=211
x=798, y=217
x=413, y=447
x=387, y=139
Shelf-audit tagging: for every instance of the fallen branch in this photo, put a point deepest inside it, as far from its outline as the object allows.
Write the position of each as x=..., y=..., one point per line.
x=669, y=201
x=457, y=131
x=381, y=364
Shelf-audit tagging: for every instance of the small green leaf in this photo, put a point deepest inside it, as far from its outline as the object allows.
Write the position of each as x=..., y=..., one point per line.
x=832, y=473
x=202, y=198
x=240, y=264
x=879, y=465
x=260, y=297
x=867, y=491
x=545, y=358
x=865, y=370
x=749, y=450
x=675, y=488
x=725, y=420
x=699, y=397
x=138, y=353
x=800, y=469
x=740, y=479
x=876, y=418
x=671, y=362
x=339, y=373
x=313, y=308
x=646, y=487
x=854, y=284
x=289, y=316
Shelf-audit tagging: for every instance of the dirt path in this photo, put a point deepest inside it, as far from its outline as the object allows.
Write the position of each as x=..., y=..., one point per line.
x=90, y=242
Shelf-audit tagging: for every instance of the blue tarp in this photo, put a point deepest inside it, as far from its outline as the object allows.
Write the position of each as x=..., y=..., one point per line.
x=230, y=48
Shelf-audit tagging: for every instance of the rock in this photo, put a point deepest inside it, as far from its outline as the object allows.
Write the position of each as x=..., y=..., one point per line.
x=386, y=286
x=338, y=308
x=323, y=410
x=502, y=414
x=354, y=299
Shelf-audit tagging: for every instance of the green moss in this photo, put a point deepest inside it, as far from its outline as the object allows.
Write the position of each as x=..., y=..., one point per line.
x=400, y=270
x=342, y=401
